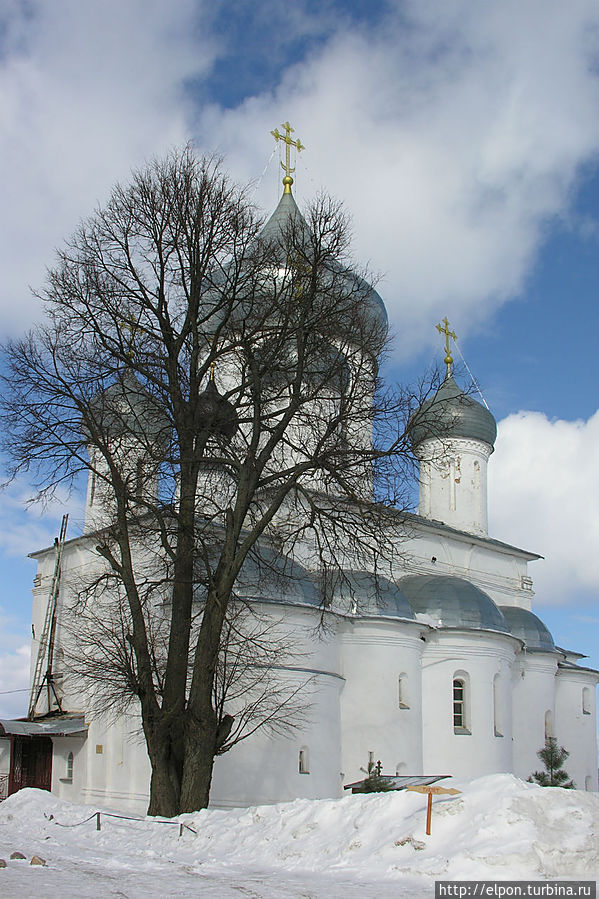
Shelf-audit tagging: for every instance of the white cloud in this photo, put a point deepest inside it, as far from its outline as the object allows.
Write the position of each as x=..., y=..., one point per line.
x=14, y=667
x=453, y=132
x=543, y=484
x=87, y=91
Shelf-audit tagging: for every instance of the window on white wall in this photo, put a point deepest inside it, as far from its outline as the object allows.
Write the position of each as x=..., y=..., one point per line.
x=461, y=711
x=68, y=774
x=548, y=724
x=588, y=783
x=402, y=692
x=586, y=701
x=497, y=707
x=304, y=761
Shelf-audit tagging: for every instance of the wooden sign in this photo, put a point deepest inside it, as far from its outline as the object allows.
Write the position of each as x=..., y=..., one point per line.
x=436, y=791
x=432, y=791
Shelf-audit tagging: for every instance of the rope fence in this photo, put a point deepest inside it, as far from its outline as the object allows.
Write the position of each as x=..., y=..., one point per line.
x=97, y=816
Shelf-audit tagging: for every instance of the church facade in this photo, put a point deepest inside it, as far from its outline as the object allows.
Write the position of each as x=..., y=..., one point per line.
x=439, y=667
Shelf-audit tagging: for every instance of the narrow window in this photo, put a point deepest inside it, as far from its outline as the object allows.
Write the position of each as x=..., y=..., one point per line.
x=586, y=701
x=92, y=487
x=461, y=716
x=69, y=771
x=497, y=707
x=548, y=724
x=139, y=479
x=402, y=691
x=588, y=783
x=304, y=761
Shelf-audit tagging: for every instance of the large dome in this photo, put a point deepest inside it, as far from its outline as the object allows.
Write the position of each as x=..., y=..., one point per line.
x=445, y=601
x=450, y=413
x=529, y=628
x=286, y=217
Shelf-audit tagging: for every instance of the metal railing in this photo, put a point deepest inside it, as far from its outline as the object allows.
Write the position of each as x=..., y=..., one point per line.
x=3, y=786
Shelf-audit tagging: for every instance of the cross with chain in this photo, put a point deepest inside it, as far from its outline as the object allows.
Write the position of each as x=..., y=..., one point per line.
x=445, y=330
x=286, y=166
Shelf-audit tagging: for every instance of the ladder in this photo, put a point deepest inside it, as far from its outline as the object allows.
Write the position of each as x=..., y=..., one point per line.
x=45, y=653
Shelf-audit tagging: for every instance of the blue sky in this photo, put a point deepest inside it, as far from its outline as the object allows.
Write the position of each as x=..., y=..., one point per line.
x=464, y=140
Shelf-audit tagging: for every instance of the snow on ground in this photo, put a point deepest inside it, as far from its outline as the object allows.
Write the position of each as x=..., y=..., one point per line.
x=498, y=828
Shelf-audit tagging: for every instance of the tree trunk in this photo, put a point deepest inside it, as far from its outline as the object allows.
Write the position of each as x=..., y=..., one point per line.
x=200, y=747
x=166, y=761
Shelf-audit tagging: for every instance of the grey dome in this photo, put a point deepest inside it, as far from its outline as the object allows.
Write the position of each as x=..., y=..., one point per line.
x=452, y=602
x=287, y=216
x=450, y=413
x=126, y=408
x=272, y=576
x=215, y=414
x=369, y=594
x=529, y=628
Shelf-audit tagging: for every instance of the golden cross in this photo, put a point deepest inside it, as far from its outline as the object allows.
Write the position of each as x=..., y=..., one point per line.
x=445, y=330
x=286, y=166
x=128, y=325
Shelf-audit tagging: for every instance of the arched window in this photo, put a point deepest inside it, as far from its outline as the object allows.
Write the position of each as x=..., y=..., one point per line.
x=402, y=691
x=461, y=703
x=497, y=707
x=548, y=724
x=304, y=761
x=586, y=701
x=69, y=768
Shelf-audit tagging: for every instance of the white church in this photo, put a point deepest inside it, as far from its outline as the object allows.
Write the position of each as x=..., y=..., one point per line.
x=442, y=668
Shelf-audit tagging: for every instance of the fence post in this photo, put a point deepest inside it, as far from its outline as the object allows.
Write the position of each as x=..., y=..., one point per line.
x=98, y=821
x=180, y=830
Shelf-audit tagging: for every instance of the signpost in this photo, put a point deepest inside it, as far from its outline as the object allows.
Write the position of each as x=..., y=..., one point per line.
x=431, y=791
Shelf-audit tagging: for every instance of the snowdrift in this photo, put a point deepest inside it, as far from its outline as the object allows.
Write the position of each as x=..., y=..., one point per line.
x=498, y=828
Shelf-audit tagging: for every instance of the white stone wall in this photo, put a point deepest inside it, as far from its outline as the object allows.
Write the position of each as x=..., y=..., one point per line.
x=476, y=658
x=533, y=703
x=376, y=652
x=576, y=724
x=453, y=482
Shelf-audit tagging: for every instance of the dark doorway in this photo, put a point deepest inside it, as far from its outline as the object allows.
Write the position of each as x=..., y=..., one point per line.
x=30, y=763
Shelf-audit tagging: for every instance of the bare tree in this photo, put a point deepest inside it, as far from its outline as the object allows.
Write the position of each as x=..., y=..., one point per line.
x=170, y=290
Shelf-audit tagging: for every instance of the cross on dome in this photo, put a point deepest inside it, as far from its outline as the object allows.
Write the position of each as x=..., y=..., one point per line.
x=287, y=140
x=445, y=330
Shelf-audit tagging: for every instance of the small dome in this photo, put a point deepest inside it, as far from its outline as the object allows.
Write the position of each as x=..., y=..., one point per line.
x=450, y=413
x=216, y=414
x=369, y=594
x=445, y=601
x=529, y=628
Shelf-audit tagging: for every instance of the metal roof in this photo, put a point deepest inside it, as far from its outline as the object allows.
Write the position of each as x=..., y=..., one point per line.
x=529, y=628
x=44, y=727
x=445, y=601
x=369, y=594
x=401, y=781
x=452, y=413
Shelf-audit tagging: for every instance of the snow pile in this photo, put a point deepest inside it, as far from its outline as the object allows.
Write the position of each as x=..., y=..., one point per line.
x=498, y=828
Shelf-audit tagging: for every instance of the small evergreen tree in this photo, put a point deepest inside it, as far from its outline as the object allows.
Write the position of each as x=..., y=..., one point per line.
x=376, y=782
x=553, y=757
